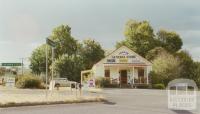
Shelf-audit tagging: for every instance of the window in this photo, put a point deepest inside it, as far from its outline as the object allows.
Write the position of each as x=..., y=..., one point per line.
x=107, y=73
x=141, y=72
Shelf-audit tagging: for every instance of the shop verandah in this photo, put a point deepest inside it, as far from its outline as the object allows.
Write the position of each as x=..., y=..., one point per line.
x=124, y=74
x=127, y=74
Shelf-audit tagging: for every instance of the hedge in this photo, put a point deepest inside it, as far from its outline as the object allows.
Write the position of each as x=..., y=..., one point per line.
x=158, y=86
x=28, y=81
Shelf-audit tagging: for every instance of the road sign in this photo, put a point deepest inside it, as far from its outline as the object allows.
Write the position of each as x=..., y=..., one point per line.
x=11, y=64
x=50, y=42
x=10, y=82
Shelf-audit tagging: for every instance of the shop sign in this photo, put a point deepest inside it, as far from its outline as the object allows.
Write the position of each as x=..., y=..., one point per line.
x=123, y=57
x=91, y=83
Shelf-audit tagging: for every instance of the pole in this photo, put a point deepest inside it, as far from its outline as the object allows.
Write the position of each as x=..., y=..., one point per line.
x=46, y=69
x=52, y=63
x=22, y=66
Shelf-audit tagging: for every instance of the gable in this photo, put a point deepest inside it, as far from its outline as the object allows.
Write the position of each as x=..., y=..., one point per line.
x=124, y=55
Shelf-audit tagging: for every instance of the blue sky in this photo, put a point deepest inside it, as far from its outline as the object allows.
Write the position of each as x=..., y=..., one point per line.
x=24, y=24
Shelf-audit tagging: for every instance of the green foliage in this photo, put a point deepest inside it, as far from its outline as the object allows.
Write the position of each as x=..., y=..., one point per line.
x=91, y=53
x=187, y=65
x=155, y=78
x=66, y=44
x=2, y=71
x=165, y=69
x=38, y=59
x=196, y=73
x=158, y=86
x=152, y=54
x=28, y=81
x=143, y=86
x=139, y=37
x=189, y=68
x=102, y=82
x=69, y=67
x=171, y=41
x=70, y=56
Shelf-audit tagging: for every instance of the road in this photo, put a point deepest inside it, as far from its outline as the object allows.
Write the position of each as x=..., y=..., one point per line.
x=120, y=101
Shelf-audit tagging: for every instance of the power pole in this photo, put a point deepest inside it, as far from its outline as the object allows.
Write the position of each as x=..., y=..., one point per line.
x=22, y=65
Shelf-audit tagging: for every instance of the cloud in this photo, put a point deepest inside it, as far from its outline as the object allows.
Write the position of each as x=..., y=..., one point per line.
x=22, y=28
x=29, y=22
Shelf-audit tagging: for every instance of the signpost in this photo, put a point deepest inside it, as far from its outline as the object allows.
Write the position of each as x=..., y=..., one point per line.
x=52, y=44
x=11, y=64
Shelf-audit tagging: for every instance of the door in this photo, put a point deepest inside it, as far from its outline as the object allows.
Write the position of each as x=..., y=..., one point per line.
x=123, y=76
x=141, y=75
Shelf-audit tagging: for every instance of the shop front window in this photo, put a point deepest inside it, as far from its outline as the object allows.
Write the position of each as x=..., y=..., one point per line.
x=140, y=77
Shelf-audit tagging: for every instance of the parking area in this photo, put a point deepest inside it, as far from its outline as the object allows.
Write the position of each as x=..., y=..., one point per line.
x=15, y=96
x=120, y=101
x=142, y=101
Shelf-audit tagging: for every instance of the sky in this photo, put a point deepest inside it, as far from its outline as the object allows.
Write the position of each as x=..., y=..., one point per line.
x=24, y=24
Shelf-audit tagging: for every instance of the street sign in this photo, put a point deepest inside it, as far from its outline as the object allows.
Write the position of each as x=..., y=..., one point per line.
x=50, y=42
x=11, y=64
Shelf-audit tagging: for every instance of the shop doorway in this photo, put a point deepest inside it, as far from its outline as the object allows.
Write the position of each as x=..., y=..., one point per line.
x=123, y=76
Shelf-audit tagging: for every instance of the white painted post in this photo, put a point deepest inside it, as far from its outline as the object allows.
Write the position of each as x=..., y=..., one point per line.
x=76, y=89
x=133, y=75
x=147, y=71
x=52, y=63
x=81, y=83
x=46, y=70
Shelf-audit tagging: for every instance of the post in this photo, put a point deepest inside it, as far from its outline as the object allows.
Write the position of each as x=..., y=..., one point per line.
x=120, y=79
x=52, y=64
x=22, y=67
x=46, y=69
x=81, y=83
x=147, y=73
x=133, y=76
x=76, y=89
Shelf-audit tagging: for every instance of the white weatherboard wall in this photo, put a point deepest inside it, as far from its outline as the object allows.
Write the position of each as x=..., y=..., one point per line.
x=98, y=70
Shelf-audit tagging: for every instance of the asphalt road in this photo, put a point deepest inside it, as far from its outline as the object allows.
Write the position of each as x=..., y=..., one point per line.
x=121, y=101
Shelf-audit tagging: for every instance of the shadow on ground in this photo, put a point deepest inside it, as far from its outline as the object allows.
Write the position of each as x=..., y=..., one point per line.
x=109, y=103
x=182, y=111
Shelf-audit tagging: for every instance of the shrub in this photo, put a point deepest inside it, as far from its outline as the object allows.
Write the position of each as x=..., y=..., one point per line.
x=28, y=81
x=143, y=86
x=158, y=86
x=102, y=82
x=98, y=82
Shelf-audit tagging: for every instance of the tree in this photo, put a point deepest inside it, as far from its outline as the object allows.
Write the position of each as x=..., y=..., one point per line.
x=196, y=73
x=91, y=53
x=69, y=67
x=189, y=68
x=38, y=59
x=171, y=41
x=66, y=44
x=152, y=54
x=70, y=56
x=139, y=37
x=186, y=64
x=165, y=69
